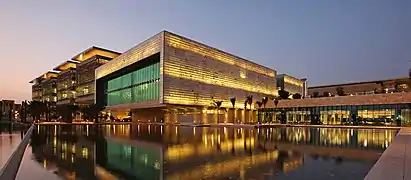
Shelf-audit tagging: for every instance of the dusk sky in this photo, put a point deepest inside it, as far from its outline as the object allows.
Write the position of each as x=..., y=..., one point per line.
x=326, y=41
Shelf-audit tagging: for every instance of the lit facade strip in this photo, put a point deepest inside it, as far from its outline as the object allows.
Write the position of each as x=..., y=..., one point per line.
x=137, y=53
x=189, y=45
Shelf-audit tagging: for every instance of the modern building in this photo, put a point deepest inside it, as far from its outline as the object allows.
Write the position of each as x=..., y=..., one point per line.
x=72, y=82
x=171, y=78
x=90, y=60
x=8, y=110
x=291, y=84
x=383, y=102
x=44, y=87
x=361, y=88
x=66, y=82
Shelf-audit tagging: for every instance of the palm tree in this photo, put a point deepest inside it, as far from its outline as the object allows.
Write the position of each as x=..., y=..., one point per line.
x=249, y=100
x=90, y=112
x=232, y=100
x=66, y=111
x=217, y=105
x=259, y=104
x=264, y=101
x=276, y=101
x=297, y=96
x=35, y=109
x=283, y=94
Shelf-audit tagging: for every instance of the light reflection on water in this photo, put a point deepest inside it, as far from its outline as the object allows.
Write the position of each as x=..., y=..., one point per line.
x=173, y=152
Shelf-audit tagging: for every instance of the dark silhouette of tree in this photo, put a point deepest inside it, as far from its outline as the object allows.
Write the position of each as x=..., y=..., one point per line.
x=232, y=100
x=35, y=109
x=217, y=105
x=66, y=111
x=90, y=112
x=259, y=104
x=297, y=96
x=264, y=101
x=250, y=100
x=283, y=94
x=326, y=94
x=316, y=94
x=340, y=91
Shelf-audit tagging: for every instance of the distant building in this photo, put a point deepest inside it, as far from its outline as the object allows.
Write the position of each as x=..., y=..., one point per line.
x=361, y=88
x=44, y=87
x=291, y=84
x=72, y=82
x=8, y=109
x=382, y=102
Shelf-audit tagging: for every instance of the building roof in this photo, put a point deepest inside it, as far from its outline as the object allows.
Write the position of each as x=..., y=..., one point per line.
x=66, y=65
x=47, y=75
x=94, y=50
x=356, y=83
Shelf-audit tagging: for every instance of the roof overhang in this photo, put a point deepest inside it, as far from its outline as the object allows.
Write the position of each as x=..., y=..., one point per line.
x=93, y=51
x=66, y=65
x=46, y=75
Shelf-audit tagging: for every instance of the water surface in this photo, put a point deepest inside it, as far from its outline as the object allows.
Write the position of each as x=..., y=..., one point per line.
x=172, y=152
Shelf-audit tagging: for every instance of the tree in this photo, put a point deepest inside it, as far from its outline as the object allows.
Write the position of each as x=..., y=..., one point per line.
x=217, y=105
x=297, y=96
x=340, y=91
x=250, y=100
x=283, y=94
x=90, y=112
x=264, y=101
x=66, y=111
x=326, y=94
x=232, y=100
x=316, y=94
x=259, y=104
x=35, y=109
x=1, y=113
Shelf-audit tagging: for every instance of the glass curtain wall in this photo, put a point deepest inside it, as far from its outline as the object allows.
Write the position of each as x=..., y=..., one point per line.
x=140, y=85
x=381, y=114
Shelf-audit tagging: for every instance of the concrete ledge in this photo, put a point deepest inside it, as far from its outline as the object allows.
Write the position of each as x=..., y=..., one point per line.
x=395, y=162
x=10, y=169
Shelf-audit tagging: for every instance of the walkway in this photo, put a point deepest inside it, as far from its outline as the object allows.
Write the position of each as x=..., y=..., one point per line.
x=395, y=162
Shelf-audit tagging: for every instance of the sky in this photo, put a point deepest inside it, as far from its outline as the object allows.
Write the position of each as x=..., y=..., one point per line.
x=325, y=41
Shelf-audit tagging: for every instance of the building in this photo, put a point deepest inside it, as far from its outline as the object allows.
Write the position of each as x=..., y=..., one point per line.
x=72, y=82
x=90, y=60
x=171, y=78
x=66, y=82
x=9, y=110
x=44, y=87
x=291, y=84
x=361, y=88
x=383, y=102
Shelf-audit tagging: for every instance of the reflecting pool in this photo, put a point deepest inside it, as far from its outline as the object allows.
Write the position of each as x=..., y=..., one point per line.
x=177, y=152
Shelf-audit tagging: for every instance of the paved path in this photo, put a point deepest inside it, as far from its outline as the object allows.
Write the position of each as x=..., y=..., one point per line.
x=395, y=162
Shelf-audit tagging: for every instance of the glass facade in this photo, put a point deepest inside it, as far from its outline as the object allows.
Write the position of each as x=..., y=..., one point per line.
x=381, y=114
x=139, y=85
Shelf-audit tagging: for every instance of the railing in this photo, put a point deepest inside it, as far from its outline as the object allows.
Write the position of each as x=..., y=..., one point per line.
x=10, y=169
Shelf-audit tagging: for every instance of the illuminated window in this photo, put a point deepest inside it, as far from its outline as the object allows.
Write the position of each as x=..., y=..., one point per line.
x=243, y=74
x=84, y=152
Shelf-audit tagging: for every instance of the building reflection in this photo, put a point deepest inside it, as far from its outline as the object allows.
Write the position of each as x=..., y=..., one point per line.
x=177, y=152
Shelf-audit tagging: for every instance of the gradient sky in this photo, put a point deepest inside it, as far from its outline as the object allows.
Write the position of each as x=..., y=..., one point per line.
x=326, y=41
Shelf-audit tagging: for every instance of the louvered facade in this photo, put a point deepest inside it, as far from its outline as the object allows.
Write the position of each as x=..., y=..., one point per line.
x=172, y=74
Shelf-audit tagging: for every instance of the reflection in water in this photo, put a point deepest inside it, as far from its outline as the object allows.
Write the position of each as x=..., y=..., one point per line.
x=172, y=152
